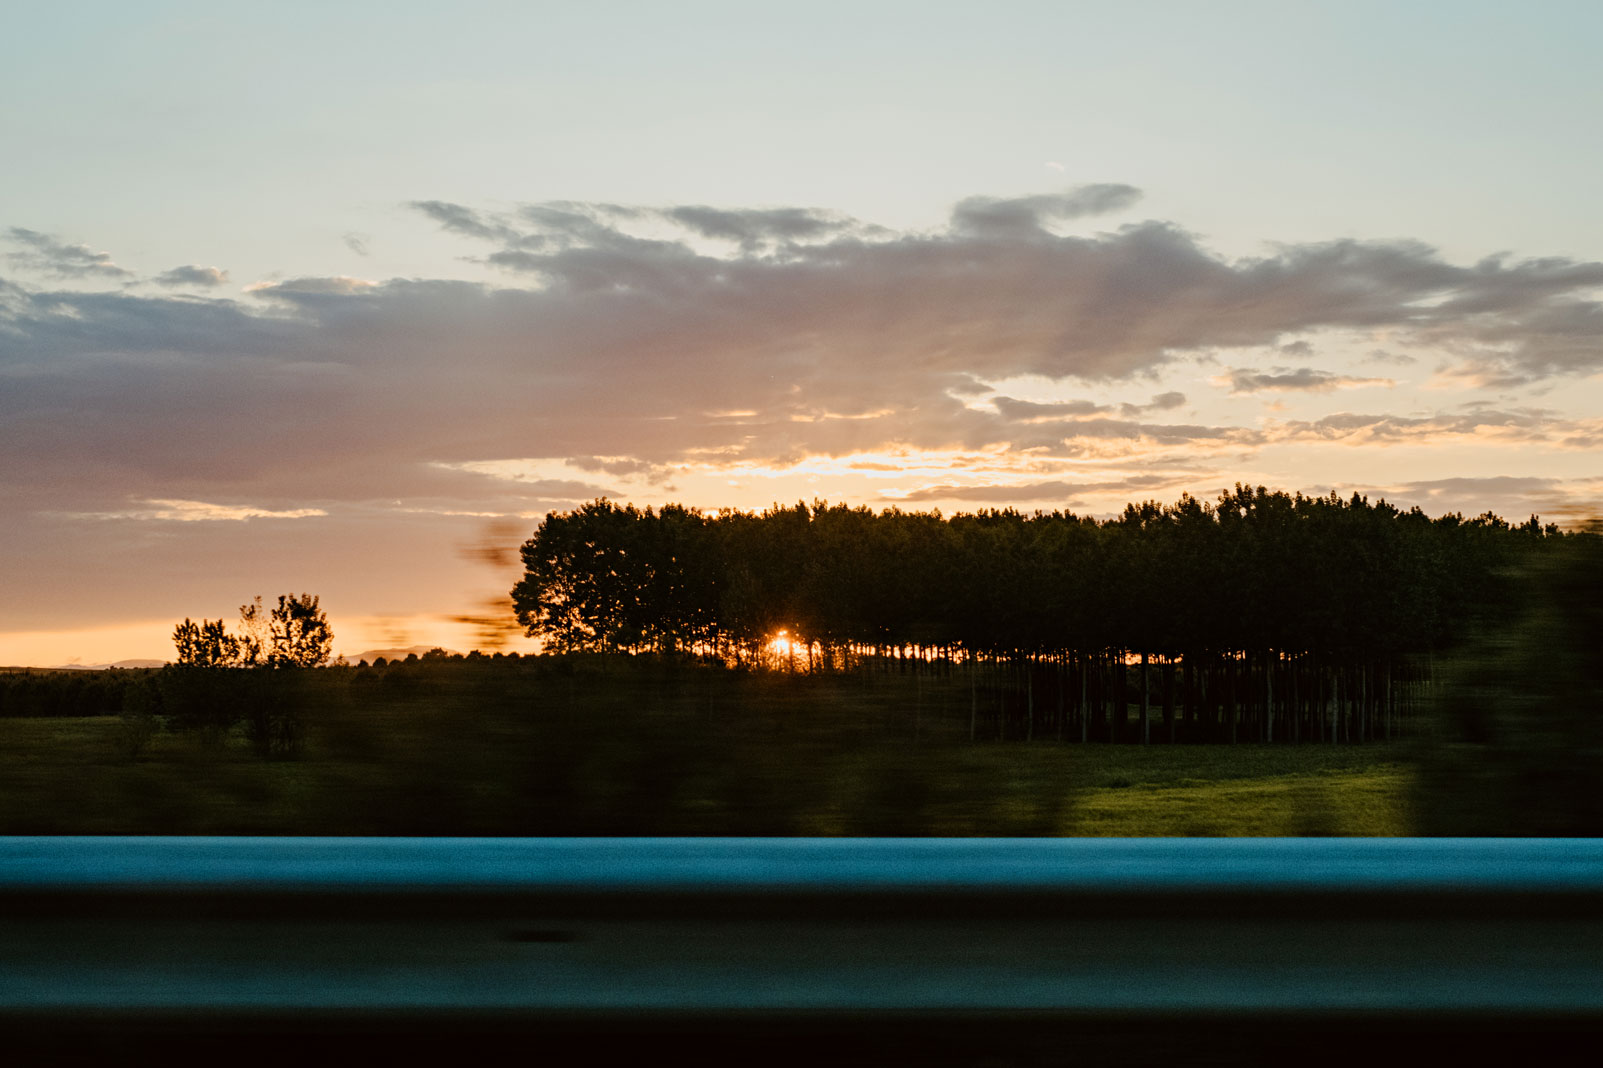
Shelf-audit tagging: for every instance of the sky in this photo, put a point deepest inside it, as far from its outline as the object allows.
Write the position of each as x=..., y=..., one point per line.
x=343, y=298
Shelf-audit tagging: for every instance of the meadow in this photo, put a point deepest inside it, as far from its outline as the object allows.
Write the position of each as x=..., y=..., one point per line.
x=584, y=747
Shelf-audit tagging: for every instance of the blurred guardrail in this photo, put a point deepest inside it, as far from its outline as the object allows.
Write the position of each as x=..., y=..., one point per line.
x=949, y=950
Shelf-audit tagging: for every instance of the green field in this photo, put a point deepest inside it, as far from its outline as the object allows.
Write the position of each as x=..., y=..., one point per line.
x=1246, y=790
x=440, y=768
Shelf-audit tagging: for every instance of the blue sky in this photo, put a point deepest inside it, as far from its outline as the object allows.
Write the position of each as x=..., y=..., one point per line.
x=310, y=295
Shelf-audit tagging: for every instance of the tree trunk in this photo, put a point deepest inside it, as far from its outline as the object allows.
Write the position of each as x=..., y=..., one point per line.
x=1269, y=697
x=1029, y=700
x=973, y=698
x=1146, y=718
x=1085, y=712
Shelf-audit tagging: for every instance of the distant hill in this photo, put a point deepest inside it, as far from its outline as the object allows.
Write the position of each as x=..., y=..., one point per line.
x=394, y=654
x=100, y=667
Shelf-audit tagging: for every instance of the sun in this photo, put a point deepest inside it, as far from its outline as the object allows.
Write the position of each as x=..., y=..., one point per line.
x=782, y=644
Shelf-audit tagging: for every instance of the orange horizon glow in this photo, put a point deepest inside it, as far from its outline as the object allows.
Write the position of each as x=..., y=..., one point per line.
x=152, y=639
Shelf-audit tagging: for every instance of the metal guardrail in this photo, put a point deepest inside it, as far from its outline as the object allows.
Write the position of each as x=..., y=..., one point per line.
x=598, y=936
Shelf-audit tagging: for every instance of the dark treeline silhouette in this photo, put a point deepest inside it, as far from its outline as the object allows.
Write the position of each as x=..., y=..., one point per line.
x=1262, y=617
x=60, y=693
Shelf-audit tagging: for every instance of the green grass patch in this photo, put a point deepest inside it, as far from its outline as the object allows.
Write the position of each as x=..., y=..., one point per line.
x=1372, y=801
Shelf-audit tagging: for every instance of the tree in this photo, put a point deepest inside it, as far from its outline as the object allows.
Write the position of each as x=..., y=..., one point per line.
x=298, y=633
x=206, y=644
x=294, y=633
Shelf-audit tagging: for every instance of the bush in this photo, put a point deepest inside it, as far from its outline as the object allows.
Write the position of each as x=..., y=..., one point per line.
x=1517, y=741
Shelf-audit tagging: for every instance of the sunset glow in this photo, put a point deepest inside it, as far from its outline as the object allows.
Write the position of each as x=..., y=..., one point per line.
x=1054, y=260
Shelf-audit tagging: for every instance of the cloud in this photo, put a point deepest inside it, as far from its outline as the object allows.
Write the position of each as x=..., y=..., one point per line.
x=296, y=288
x=1028, y=216
x=1303, y=379
x=1514, y=497
x=1526, y=424
x=641, y=338
x=997, y=293
x=526, y=474
x=180, y=511
x=357, y=243
x=755, y=229
x=50, y=256
x=192, y=275
x=1056, y=425
x=1400, y=359
x=1054, y=490
x=616, y=465
x=1161, y=402
x=1500, y=485
x=993, y=494
x=459, y=219
x=1019, y=411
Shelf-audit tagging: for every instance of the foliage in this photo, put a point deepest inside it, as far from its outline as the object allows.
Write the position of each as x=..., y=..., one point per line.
x=221, y=680
x=299, y=633
x=140, y=716
x=1351, y=579
x=206, y=644
x=1517, y=745
x=41, y=692
x=293, y=633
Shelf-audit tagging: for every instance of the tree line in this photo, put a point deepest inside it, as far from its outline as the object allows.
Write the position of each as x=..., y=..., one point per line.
x=1261, y=616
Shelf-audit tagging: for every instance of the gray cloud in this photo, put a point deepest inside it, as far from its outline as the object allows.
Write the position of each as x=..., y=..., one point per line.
x=296, y=290
x=192, y=275
x=1029, y=216
x=1527, y=423
x=1018, y=411
x=1161, y=402
x=997, y=293
x=1052, y=426
x=1304, y=379
x=459, y=219
x=628, y=340
x=50, y=256
x=756, y=229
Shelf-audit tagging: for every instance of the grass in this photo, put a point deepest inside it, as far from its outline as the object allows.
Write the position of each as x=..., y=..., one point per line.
x=1299, y=799
x=1176, y=791
x=442, y=765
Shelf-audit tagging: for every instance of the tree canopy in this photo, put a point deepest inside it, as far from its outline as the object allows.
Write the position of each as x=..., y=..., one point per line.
x=293, y=633
x=1255, y=570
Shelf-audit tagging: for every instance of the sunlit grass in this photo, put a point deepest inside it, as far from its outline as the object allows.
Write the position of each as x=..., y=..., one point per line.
x=1374, y=801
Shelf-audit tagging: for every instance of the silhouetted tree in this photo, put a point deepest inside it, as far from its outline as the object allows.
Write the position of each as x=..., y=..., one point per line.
x=206, y=644
x=298, y=633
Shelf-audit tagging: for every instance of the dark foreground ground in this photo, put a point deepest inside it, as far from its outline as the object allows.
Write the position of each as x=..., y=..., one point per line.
x=464, y=749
